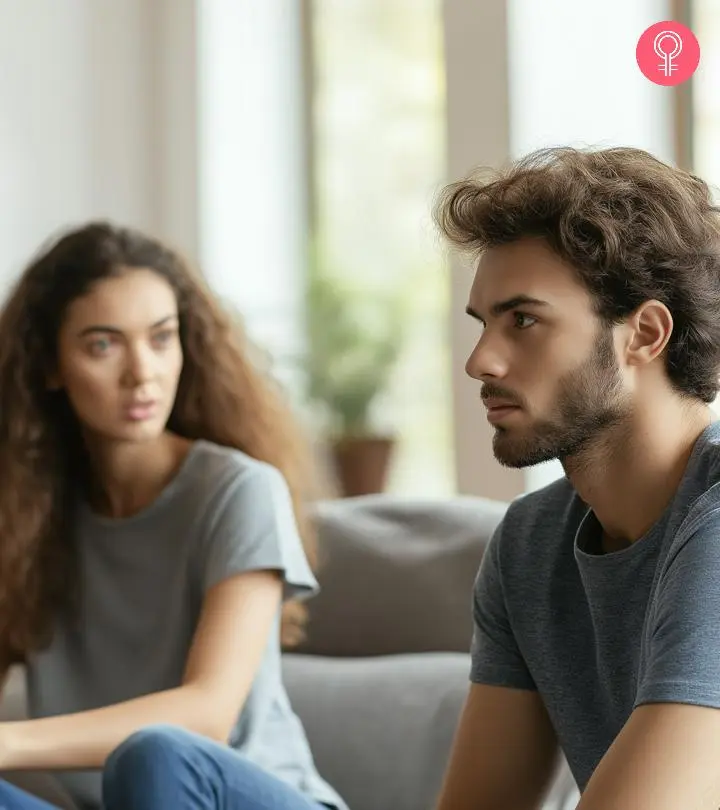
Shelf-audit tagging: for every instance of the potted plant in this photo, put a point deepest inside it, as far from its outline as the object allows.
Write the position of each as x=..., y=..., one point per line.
x=354, y=338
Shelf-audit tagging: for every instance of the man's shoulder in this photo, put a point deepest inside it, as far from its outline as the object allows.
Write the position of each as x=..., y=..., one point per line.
x=543, y=518
x=551, y=500
x=698, y=497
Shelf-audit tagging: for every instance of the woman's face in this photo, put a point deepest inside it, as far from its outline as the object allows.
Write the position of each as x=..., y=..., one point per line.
x=120, y=357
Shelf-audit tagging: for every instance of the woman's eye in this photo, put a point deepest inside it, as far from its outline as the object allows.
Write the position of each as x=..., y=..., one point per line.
x=100, y=345
x=523, y=321
x=161, y=338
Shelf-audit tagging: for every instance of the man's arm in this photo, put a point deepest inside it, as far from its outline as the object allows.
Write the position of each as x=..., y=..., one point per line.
x=504, y=754
x=665, y=758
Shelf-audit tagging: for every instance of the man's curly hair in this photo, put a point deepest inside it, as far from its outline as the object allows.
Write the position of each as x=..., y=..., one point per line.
x=633, y=227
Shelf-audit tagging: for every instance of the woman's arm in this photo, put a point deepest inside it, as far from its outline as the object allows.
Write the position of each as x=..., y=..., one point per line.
x=226, y=651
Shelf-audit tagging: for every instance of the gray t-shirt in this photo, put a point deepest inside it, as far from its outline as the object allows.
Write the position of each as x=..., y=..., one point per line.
x=142, y=584
x=599, y=634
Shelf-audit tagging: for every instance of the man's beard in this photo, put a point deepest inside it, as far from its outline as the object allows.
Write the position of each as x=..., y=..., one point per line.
x=588, y=404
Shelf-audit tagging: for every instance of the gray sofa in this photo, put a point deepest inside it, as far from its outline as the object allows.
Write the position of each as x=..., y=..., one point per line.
x=380, y=681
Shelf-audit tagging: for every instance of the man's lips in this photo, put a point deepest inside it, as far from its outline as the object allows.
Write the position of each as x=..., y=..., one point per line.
x=491, y=403
x=498, y=409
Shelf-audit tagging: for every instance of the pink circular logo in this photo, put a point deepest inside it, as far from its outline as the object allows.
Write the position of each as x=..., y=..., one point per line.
x=668, y=53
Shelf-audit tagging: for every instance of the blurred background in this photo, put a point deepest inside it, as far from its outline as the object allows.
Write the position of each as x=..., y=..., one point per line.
x=292, y=150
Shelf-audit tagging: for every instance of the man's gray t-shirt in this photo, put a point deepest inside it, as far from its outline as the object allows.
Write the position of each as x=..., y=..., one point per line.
x=599, y=634
x=142, y=582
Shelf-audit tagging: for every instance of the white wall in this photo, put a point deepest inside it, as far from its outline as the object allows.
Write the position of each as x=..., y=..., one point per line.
x=84, y=123
x=574, y=79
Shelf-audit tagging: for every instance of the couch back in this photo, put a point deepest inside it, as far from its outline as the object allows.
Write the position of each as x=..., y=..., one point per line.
x=396, y=574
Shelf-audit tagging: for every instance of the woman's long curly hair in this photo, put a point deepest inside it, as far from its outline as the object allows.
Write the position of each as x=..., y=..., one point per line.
x=223, y=396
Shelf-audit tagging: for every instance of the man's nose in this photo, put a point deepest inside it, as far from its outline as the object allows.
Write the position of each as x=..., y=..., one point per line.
x=487, y=359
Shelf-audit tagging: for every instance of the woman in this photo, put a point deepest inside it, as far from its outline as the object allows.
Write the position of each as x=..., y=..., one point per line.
x=152, y=489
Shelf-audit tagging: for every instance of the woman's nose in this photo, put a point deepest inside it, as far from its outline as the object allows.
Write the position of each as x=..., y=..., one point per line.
x=139, y=365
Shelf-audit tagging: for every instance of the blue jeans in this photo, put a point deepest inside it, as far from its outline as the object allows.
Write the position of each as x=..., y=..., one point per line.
x=167, y=768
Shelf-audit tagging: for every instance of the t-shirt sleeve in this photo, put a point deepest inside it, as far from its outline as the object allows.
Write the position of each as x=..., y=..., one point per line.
x=683, y=655
x=496, y=659
x=252, y=527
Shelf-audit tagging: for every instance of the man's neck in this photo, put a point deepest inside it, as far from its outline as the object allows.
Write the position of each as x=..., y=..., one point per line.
x=631, y=476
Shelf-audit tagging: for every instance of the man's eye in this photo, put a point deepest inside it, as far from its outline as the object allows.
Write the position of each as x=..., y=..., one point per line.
x=523, y=321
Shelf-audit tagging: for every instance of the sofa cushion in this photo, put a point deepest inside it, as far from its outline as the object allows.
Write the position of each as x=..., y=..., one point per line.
x=380, y=728
x=396, y=574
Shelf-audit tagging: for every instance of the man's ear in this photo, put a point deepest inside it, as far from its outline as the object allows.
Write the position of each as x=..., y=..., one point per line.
x=652, y=325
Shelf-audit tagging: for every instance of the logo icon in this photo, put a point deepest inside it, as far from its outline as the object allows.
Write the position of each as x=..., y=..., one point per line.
x=669, y=57
x=668, y=53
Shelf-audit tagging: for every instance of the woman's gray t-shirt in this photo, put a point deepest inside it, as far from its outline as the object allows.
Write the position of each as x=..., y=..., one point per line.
x=142, y=583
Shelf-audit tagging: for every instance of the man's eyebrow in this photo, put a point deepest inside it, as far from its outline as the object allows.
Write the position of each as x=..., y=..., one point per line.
x=505, y=306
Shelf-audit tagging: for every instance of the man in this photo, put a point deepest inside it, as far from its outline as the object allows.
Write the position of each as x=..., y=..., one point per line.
x=597, y=605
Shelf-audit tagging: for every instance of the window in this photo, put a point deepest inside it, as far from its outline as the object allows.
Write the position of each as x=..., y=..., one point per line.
x=705, y=115
x=705, y=96
x=252, y=182
x=378, y=158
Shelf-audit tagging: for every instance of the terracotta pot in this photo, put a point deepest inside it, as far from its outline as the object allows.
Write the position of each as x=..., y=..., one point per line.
x=362, y=464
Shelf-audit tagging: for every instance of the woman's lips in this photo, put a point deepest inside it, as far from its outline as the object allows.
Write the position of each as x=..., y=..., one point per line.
x=141, y=411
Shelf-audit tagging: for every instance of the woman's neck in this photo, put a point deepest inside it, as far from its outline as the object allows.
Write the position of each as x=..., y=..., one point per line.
x=127, y=477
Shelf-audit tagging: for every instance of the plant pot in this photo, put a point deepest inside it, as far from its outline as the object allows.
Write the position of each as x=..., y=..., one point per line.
x=362, y=464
